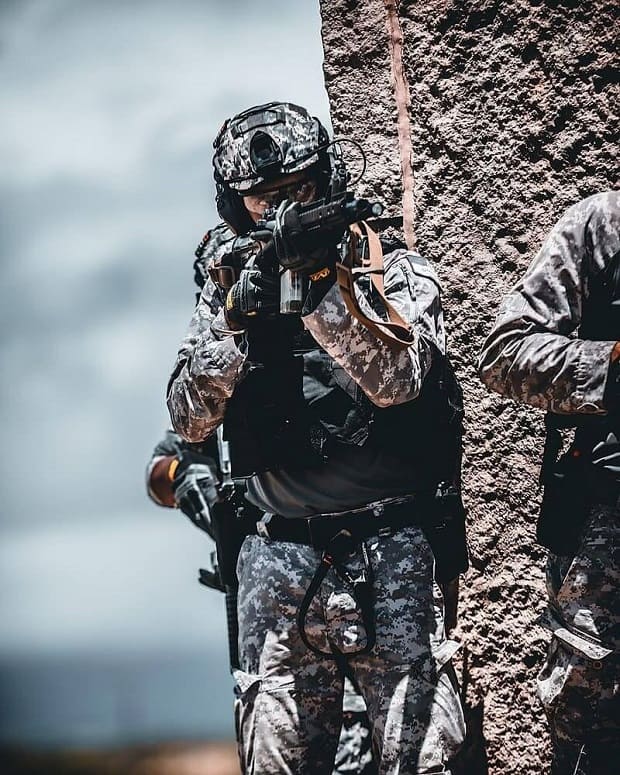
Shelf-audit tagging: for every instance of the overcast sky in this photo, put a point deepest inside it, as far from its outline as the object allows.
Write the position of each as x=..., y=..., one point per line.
x=109, y=112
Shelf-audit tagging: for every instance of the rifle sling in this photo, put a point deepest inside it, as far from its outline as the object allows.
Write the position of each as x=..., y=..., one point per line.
x=395, y=331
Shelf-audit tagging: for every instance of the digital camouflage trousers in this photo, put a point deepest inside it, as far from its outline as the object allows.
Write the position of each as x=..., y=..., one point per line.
x=579, y=683
x=289, y=706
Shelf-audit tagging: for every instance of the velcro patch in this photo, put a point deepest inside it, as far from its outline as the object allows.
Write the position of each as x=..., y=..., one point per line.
x=202, y=245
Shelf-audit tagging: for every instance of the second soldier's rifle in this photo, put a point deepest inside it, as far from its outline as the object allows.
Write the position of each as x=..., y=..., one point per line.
x=220, y=510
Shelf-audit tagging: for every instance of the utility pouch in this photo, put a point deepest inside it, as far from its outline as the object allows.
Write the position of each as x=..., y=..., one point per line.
x=445, y=532
x=565, y=504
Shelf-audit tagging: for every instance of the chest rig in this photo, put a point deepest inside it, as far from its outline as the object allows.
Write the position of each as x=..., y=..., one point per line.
x=295, y=400
x=601, y=309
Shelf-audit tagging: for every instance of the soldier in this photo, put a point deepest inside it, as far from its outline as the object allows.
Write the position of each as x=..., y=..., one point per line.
x=174, y=462
x=533, y=355
x=351, y=447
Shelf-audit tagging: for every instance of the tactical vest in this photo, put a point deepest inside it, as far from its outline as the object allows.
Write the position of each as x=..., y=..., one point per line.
x=296, y=400
x=600, y=322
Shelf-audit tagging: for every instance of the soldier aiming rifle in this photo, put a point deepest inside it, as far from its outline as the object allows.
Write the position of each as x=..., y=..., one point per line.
x=346, y=420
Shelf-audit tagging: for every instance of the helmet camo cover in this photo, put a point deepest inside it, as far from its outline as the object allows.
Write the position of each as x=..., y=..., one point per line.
x=297, y=136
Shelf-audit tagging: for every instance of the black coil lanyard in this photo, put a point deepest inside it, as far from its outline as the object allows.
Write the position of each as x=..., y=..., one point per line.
x=361, y=588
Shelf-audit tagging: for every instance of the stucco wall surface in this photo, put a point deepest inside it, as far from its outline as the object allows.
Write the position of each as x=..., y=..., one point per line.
x=509, y=110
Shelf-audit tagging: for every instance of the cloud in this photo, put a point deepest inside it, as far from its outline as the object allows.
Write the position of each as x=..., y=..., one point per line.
x=109, y=111
x=106, y=89
x=126, y=583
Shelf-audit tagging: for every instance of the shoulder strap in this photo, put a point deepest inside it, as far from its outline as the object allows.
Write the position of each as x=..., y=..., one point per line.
x=396, y=331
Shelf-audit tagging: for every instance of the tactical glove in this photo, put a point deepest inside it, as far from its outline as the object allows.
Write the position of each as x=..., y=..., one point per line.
x=195, y=487
x=255, y=293
x=606, y=456
x=298, y=249
x=190, y=461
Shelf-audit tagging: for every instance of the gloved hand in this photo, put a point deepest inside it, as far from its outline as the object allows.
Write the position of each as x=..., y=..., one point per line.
x=298, y=249
x=606, y=456
x=195, y=487
x=254, y=293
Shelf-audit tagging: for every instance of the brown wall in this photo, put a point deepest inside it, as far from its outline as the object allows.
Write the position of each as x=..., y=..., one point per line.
x=511, y=119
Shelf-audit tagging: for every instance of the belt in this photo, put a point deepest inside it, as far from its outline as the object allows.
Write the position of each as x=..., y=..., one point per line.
x=378, y=519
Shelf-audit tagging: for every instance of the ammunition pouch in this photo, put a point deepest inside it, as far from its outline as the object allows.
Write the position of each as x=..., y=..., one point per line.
x=565, y=504
x=446, y=534
x=572, y=484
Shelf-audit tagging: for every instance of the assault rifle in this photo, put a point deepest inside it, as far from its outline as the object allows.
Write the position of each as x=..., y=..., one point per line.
x=322, y=224
x=329, y=216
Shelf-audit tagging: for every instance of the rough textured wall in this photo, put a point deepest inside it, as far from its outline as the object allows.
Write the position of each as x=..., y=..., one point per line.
x=511, y=119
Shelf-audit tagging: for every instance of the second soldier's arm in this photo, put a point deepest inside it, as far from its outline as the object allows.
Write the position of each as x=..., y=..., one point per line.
x=386, y=375
x=530, y=354
x=173, y=464
x=158, y=482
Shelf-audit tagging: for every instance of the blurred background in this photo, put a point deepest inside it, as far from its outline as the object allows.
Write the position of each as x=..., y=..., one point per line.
x=109, y=112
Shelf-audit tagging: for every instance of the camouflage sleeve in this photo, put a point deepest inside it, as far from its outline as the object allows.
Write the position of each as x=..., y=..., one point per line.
x=530, y=354
x=387, y=376
x=214, y=242
x=208, y=366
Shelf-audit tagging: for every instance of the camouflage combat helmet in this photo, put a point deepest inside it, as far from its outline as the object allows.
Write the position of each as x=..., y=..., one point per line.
x=265, y=142
x=262, y=144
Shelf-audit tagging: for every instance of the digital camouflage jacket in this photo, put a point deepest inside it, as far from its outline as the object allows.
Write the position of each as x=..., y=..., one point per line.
x=535, y=352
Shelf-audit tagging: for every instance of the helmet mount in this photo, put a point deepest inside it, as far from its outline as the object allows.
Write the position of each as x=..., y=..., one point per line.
x=265, y=155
